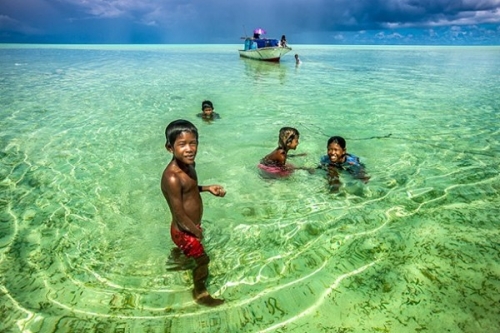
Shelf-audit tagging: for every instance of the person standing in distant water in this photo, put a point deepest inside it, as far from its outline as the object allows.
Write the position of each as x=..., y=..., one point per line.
x=179, y=185
x=283, y=41
x=297, y=60
x=207, y=111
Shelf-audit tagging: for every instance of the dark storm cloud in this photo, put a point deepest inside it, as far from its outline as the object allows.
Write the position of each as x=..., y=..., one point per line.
x=222, y=21
x=429, y=13
x=377, y=14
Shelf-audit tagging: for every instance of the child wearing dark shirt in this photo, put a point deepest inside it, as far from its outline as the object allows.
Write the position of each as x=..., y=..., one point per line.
x=337, y=159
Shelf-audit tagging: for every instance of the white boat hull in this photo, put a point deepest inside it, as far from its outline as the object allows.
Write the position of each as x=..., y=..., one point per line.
x=265, y=53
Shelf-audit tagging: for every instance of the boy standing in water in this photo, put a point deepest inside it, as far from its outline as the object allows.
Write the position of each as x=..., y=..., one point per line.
x=180, y=188
x=297, y=60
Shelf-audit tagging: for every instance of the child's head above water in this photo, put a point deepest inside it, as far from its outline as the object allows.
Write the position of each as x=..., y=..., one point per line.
x=206, y=104
x=338, y=140
x=336, y=149
x=176, y=128
x=207, y=108
x=287, y=136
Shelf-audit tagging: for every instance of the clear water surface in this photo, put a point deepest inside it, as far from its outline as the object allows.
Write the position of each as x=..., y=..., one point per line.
x=84, y=229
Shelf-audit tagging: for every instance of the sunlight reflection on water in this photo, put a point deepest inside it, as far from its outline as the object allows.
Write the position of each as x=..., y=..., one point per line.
x=84, y=229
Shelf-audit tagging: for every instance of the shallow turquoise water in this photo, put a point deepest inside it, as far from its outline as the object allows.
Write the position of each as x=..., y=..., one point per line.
x=84, y=229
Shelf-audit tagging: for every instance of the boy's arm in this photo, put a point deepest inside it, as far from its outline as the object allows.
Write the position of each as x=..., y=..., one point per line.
x=310, y=170
x=216, y=190
x=297, y=155
x=172, y=190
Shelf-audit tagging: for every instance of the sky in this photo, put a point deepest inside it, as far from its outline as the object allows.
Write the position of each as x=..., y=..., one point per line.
x=344, y=22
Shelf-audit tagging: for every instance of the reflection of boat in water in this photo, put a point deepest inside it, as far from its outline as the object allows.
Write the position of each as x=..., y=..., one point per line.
x=263, y=70
x=263, y=48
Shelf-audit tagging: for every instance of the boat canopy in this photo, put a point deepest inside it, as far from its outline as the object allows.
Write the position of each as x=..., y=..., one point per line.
x=251, y=44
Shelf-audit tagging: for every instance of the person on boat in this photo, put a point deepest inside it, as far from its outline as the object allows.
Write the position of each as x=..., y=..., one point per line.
x=283, y=41
x=207, y=111
x=274, y=165
x=337, y=159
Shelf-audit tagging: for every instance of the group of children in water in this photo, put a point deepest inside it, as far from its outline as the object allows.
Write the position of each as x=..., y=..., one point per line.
x=336, y=159
x=179, y=184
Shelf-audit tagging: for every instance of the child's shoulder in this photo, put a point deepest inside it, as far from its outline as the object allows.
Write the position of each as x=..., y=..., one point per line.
x=175, y=173
x=173, y=168
x=353, y=160
x=350, y=158
x=170, y=170
x=325, y=159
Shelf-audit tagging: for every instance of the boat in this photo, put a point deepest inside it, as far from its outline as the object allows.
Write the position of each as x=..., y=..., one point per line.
x=264, y=49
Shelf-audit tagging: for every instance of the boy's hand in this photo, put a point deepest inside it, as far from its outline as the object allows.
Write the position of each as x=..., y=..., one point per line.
x=217, y=190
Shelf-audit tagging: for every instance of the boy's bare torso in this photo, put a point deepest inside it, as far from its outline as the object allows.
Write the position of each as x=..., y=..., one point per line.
x=180, y=189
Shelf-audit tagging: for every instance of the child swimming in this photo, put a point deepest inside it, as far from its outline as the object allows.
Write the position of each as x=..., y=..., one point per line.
x=207, y=111
x=337, y=159
x=274, y=164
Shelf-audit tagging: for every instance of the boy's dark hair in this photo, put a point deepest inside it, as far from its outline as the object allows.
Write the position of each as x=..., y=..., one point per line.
x=176, y=127
x=338, y=140
x=206, y=104
x=287, y=134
